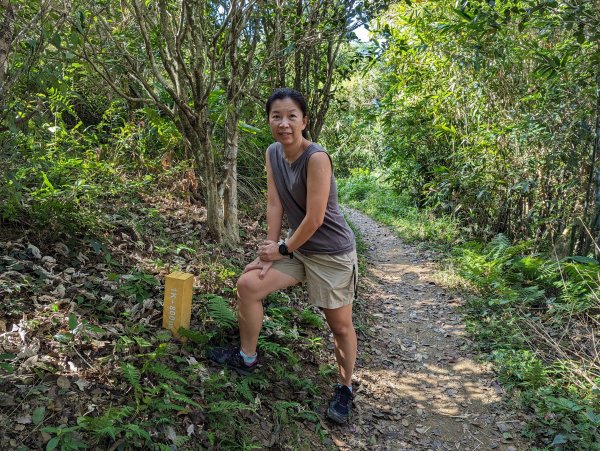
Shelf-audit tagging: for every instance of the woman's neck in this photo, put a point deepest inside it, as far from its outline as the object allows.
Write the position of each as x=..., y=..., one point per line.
x=293, y=151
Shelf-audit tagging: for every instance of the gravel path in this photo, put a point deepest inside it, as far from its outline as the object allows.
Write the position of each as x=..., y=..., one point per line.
x=418, y=386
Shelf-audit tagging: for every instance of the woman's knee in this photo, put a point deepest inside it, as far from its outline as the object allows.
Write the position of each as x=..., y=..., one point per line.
x=245, y=287
x=341, y=328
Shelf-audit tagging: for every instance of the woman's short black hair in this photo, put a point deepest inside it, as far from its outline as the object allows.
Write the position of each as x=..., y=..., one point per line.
x=287, y=93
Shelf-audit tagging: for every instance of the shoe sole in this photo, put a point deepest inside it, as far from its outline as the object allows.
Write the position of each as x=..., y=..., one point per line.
x=336, y=417
x=240, y=371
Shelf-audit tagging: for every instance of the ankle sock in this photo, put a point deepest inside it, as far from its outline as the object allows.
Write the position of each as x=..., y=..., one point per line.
x=248, y=359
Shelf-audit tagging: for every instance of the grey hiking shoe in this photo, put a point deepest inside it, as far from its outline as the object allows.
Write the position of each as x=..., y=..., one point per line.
x=340, y=406
x=230, y=357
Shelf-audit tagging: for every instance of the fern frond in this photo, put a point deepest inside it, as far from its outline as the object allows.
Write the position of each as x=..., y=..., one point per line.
x=498, y=245
x=165, y=372
x=277, y=349
x=135, y=430
x=285, y=405
x=195, y=336
x=218, y=309
x=181, y=397
x=132, y=374
x=243, y=388
x=161, y=406
x=181, y=440
x=229, y=407
x=312, y=318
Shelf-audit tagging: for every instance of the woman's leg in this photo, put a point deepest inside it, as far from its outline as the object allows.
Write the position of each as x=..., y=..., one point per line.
x=250, y=291
x=344, y=339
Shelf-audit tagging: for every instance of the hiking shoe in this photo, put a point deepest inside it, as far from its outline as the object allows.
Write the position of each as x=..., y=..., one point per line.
x=340, y=406
x=230, y=357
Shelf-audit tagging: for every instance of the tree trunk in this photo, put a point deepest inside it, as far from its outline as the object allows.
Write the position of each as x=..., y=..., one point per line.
x=230, y=197
x=6, y=37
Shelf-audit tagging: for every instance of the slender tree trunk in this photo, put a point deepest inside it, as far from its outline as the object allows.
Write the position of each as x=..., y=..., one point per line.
x=592, y=192
x=230, y=191
x=6, y=37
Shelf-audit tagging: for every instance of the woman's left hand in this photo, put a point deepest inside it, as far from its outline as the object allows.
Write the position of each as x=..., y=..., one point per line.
x=268, y=251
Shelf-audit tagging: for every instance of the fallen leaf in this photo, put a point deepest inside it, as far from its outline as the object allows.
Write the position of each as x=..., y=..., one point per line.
x=63, y=382
x=34, y=251
x=61, y=249
x=191, y=429
x=6, y=400
x=171, y=434
x=38, y=415
x=82, y=384
x=25, y=419
x=45, y=437
x=60, y=291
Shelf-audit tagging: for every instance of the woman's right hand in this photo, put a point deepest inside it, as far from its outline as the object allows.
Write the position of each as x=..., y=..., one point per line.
x=258, y=264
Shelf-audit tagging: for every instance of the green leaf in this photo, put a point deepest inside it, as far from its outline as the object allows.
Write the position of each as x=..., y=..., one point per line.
x=47, y=182
x=7, y=367
x=52, y=444
x=38, y=415
x=72, y=321
x=559, y=440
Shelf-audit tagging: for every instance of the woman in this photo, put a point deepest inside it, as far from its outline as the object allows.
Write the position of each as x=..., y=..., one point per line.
x=319, y=248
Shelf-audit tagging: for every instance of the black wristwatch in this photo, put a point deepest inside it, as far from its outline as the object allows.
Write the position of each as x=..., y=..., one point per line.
x=283, y=249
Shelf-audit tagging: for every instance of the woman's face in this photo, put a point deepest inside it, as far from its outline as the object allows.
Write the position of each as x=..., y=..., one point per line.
x=286, y=121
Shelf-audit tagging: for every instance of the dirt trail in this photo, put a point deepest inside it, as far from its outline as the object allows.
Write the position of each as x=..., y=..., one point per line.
x=418, y=385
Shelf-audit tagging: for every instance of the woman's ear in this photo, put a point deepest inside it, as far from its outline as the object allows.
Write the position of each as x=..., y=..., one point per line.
x=304, y=122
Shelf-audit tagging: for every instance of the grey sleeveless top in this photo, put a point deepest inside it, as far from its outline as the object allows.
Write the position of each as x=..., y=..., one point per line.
x=334, y=236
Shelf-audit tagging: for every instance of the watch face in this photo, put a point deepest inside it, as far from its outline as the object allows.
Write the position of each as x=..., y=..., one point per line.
x=283, y=250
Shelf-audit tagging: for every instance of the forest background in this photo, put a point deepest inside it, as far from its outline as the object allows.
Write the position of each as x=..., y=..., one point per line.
x=471, y=126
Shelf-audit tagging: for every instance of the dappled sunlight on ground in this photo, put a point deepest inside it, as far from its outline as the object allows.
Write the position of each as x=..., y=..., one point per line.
x=417, y=385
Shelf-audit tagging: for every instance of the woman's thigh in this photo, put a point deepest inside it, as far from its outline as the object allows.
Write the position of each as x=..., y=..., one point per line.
x=254, y=288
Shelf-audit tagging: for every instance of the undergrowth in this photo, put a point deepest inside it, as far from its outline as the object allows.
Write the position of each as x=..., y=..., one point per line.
x=534, y=316
x=369, y=193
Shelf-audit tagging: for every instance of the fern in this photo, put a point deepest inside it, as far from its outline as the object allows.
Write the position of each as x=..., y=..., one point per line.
x=162, y=406
x=277, y=349
x=166, y=373
x=132, y=430
x=195, y=336
x=218, y=309
x=181, y=440
x=312, y=318
x=179, y=396
x=229, y=407
x=308, y=415
x=132, y=374
x=243, y=388
x=498, y=245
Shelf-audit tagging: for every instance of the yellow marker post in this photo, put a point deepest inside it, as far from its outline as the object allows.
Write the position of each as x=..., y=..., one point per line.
x=177, y=307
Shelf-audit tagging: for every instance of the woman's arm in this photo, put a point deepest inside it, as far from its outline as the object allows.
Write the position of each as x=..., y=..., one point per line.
x=274, y=207
x=318, y=184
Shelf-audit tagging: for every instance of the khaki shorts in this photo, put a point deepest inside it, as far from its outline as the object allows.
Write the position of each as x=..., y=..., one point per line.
x=330, y=279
